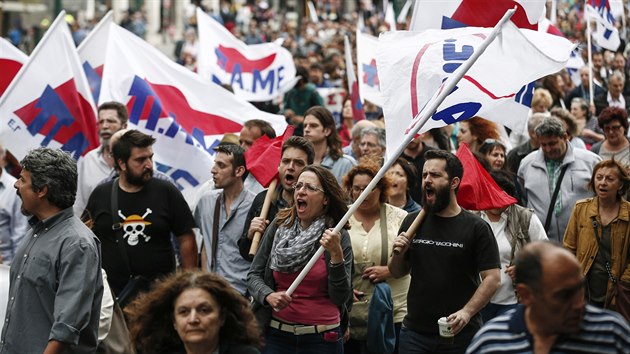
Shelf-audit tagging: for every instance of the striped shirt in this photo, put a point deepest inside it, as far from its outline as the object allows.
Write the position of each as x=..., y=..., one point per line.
x=602, y=331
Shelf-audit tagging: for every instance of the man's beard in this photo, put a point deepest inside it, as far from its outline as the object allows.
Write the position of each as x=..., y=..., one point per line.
x=441, y=199
x=138, y=180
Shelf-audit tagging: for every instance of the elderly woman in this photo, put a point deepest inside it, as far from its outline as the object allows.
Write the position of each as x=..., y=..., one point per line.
x=598, y=233
x=493, y=151
x=614, y=123
x=474, y=131
x=193, y=312
x=403, y=177
x=308, y=321
x=373, y=228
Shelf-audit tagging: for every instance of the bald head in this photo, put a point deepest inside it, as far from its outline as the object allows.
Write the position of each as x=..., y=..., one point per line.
x=359, y=126
x=112, y=140
x=116, y=136
x=541, y=260
x=550, y=285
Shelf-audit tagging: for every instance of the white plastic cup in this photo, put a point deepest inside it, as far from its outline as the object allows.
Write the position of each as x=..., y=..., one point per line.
x=446, y=333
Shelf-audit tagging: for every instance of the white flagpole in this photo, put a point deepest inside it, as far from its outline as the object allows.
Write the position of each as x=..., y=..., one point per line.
x=590, y=57
x=423, y=116
x=624, y=29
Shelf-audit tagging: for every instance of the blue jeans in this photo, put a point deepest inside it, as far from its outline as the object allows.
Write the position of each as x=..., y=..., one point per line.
x=493, y=310
x=354, y=346
x=280, y=342
x=412, y=342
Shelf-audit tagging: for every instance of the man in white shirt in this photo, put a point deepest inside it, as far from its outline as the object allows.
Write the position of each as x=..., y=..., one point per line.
x=97, y=164
x=614, y=97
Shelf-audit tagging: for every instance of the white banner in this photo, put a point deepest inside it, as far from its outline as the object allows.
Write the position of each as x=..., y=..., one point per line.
x=413, y=66
x=187, y=115
x=369, y=85
x=606, y=34
x=259, y=72
x=49, y=102
x=92, y=52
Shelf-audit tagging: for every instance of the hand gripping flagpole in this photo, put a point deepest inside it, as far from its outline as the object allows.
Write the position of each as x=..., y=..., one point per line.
x=422, y=117
x=271, y=193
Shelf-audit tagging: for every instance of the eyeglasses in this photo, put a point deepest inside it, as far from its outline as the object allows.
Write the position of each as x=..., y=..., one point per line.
x=359, y=190
x=612, y=128
x=309, y=188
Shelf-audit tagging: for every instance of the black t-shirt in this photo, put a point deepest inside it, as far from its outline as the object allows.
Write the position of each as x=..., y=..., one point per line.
x=148, y=218
x=446, y=256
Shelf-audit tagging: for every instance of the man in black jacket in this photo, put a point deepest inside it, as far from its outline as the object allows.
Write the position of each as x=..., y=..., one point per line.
x=297, y=153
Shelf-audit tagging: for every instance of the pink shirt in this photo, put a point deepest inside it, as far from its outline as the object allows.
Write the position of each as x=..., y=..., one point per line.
x=310, y=304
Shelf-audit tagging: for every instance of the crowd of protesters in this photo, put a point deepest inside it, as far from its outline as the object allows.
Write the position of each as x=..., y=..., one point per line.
x=153, y=273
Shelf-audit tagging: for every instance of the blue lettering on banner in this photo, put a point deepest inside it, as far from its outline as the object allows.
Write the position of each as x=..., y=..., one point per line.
x=52, y=105
x=526, y=94
x=457, y=112
x=94, y=80
x=237, y=76
x=269, y=80
x=454, y=58
x=141, y=90
x=13, y=125
x=143, y=93
x=450, y=53
x=177, y=175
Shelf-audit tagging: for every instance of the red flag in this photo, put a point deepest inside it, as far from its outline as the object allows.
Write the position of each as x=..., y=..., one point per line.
x=264, y=156
x=478, y=191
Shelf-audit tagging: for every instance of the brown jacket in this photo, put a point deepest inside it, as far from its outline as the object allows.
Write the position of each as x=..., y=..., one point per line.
x=579, y=238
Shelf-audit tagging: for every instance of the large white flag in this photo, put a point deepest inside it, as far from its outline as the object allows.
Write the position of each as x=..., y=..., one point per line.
x=92, y=52
x=49, y=102
x=11, y=60
x=413, y=66
x=258, y=72
x=447, y=14
x=187, y=115
x=606, y=34
x=369, y=85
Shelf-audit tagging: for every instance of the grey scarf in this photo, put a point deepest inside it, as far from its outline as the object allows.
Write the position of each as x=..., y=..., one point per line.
x=293, y=247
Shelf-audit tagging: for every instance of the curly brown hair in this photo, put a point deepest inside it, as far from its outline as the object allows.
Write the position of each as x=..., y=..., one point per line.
x=369, y=166
x=151, y=315
x=610, y=114
x=483, y=129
